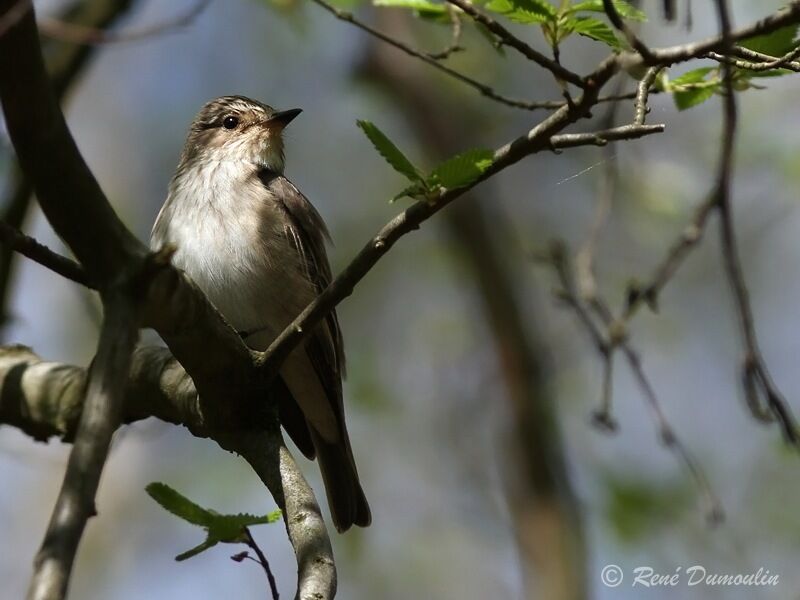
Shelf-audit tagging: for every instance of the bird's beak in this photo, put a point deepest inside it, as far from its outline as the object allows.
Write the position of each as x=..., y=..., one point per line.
x=284, y=117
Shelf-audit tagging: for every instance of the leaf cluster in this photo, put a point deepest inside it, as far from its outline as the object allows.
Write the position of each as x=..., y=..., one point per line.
x=458, y=171
x=556, y=23
x=696, y=86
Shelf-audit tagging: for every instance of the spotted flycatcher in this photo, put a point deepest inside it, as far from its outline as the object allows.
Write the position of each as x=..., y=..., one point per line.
x=256, y=247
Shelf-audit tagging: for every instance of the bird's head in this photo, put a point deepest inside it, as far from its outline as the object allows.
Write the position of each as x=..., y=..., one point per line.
x=238, y=129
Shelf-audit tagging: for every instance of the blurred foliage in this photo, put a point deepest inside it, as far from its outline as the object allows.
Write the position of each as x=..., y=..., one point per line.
x=636, y=508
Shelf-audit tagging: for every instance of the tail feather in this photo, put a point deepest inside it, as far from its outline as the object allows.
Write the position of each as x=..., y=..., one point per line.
x=346, y=499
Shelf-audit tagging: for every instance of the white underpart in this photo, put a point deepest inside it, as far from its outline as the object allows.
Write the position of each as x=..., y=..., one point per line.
x=233, y=239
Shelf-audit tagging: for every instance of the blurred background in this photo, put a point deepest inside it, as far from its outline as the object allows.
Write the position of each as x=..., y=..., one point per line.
x=470, y=390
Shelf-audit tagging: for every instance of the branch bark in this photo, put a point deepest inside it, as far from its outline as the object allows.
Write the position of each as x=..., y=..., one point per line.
x=45, y=399
x=100, y=418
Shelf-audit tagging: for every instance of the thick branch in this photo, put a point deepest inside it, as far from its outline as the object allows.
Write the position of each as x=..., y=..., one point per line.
x=65, y=62
x=49, y=156
x=101, y=416
x=220, y=364
x=45, y=399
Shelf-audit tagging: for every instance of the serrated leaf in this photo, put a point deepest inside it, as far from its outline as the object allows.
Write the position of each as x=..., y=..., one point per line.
x=391, y=153
x=777, y=43
x=218, y=527
x=462, y=169
x=596, y=30
x=524, y=11
x=692, y=88
x=179, y=505
x=625, y=9
x=230, y=528
x=424, y=8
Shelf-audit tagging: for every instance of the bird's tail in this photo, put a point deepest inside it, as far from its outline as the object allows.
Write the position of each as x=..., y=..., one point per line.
x=346, y=499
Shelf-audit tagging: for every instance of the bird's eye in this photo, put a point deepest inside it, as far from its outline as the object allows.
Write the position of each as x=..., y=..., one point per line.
x=230, y=122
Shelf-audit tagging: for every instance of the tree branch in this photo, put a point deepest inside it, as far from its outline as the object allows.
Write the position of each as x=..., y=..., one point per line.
x=101, y=416
x=509, y=39
x=65, y=62
x=484, y=89
x=220, y=364
x=547, y=520
x=45, y=399
x=15, y=240
x=618, y=22
x=77, y=33
x=755, y=375
x=606, y=341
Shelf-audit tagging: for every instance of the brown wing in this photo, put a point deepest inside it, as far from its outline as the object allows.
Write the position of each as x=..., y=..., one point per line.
x=325, y=349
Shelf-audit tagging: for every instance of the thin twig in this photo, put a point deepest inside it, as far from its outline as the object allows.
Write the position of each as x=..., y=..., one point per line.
x=484, y=89
x=643, y=91
x=81, y=34
x=101, y=417
x=262, y=560
x=601, y=138
x=787, y=15
x=613, y=336
x=618, y=22
x=39, y=253
x=542, y=137
x=784, y=62
x=648, y=293
x=509, y=39
x=585, y=259
x=765, y=61
x=455, y=37
x=755, y=372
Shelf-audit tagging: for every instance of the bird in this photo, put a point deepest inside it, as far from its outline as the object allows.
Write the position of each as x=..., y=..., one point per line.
x=256, y=247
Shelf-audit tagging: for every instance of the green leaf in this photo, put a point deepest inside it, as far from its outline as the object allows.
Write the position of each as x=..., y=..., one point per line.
x=230, y=528
x=692, y=88
x=693, y=97
x=422, y=7
x=179, y=505
x=412, y=191
x=777, y=43
x=625, y=9
x=691, y=77
x=524, y=11
x=209, y=543
x=390, y=152
x=635, y=509
x=596, y=30
x=461, y=169
x=769, y=73
x=219, y=528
